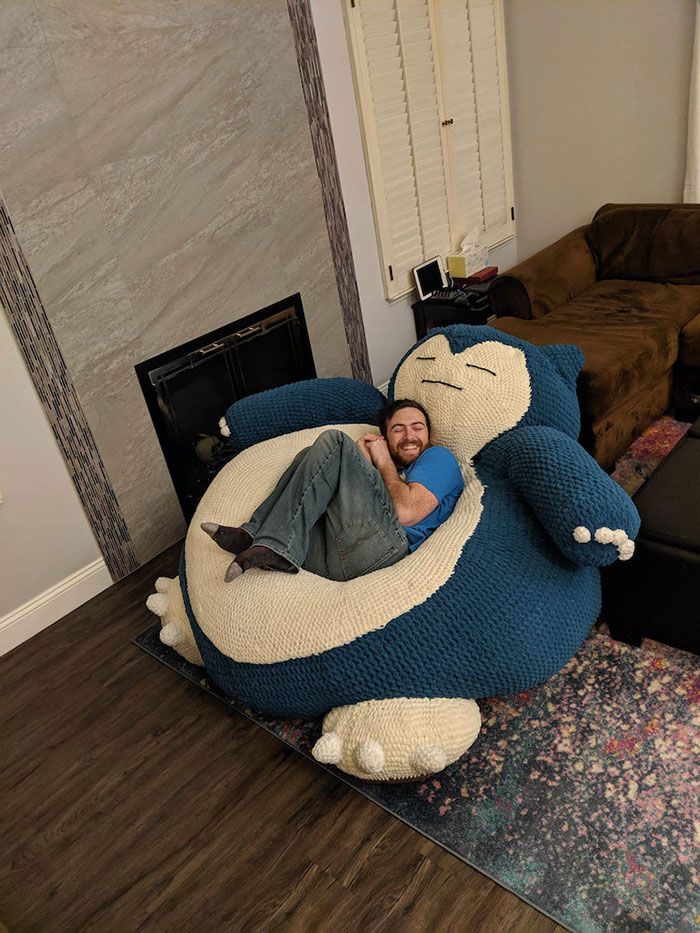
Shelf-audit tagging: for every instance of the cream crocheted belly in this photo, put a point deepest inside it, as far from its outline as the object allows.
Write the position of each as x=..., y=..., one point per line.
x=264, y=617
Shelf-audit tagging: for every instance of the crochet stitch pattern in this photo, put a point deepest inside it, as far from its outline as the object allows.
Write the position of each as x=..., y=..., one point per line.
x=497, y=600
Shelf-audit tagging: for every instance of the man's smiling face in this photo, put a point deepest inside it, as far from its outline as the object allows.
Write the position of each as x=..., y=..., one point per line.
x=406, y=436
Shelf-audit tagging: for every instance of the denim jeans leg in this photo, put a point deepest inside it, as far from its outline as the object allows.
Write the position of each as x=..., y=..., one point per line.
x=331, y=479
x=362, y=531
x=263, y=510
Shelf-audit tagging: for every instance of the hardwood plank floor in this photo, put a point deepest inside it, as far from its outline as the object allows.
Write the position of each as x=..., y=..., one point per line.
x=130, y=799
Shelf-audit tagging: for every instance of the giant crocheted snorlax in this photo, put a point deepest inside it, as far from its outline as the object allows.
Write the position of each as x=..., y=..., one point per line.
x=497, y=600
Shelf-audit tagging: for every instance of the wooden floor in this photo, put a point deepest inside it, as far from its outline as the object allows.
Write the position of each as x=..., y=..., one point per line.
x=130, y=799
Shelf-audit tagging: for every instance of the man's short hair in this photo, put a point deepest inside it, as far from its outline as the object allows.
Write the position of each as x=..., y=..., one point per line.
x=390, y=409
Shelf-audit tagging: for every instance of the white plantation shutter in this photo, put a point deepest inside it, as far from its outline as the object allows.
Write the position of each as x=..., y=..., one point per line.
x=385, y=75
x=404, y=124
x=424, y=121
x=489, y=110
x=460, y=103
x=431, y=88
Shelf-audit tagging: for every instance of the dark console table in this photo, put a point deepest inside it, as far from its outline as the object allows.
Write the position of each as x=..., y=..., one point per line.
x=657, y=592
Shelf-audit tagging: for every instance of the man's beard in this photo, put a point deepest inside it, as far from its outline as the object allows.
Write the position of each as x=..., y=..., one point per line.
x=402, y=464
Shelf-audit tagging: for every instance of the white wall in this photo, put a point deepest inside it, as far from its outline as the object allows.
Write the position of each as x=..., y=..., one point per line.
x=44, y=535
x=599, y=107
x=388, y=325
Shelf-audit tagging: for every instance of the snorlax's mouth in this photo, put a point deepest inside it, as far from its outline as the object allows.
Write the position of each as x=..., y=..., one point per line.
x=439, y=382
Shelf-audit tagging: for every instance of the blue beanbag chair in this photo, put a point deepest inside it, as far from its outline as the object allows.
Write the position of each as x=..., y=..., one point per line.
x=496, y=600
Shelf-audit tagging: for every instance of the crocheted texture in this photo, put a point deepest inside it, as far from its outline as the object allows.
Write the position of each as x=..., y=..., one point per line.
x=567, y=491
x=306, y=404
x=305, y=614
x=553, y=372
x=409, y=738
x=507, y=613
x=498, y=599
x=476, y=610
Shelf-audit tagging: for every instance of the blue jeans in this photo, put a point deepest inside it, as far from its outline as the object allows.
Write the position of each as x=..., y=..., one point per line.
x=331, y=513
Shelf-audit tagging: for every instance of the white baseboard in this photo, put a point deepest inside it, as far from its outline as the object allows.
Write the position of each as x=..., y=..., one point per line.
x=383, y=388
x=53, y=604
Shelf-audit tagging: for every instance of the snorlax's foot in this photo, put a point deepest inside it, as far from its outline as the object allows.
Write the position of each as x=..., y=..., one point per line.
x=261, y=557
x=231, y=539
x=399, y=739
x=176, y=632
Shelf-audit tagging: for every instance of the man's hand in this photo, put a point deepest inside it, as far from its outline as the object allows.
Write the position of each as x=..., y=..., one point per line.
x=379, y=452
x=364, y=445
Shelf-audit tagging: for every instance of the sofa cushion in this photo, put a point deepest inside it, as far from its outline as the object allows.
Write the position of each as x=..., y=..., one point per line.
x=628, y=332
x=655, y=243
x=635, y=302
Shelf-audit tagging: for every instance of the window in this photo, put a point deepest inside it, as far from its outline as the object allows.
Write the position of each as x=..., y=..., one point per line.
x=431, y=84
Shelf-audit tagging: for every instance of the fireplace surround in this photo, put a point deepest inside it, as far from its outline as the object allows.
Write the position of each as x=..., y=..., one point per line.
x=125, y=270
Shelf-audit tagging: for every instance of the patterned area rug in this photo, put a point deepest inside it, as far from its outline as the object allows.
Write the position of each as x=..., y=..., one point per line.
x=579, y=795
x=640, y=460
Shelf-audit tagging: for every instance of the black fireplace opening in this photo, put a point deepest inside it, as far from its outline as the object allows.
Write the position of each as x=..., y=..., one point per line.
x=189, y=388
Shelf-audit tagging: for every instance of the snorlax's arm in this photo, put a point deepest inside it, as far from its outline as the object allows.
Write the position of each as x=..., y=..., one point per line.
x=311, y=403
x=590, y=518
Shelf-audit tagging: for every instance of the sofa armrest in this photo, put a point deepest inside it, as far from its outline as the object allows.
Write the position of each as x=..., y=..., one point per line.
x=546, y=280
x=689, y=345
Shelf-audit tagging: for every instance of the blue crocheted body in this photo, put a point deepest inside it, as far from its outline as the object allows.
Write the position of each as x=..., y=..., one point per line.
x=512, y=614
x=523, y=594
x=309, y=403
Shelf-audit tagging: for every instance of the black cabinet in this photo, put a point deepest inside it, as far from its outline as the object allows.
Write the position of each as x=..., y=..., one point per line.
x=429, y=314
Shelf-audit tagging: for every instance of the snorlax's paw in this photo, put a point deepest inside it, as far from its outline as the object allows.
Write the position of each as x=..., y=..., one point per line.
x=176, y=631
x=616, y=537
x=399, y=739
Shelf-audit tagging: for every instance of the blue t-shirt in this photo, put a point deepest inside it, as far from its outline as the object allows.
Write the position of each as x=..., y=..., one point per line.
x=436, y=469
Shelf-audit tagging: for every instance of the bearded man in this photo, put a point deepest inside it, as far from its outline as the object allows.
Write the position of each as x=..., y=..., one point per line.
x=343, y=509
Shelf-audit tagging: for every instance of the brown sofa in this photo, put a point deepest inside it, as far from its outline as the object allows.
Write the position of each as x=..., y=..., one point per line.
x=626, y=289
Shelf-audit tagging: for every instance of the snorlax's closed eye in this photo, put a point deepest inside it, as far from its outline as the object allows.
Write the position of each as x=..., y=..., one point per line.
x=482, y=368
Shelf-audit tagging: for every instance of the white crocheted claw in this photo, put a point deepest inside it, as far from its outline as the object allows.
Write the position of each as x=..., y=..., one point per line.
x=224, y=429
x=429, y=759
x=616, y=536
x=171, y=634
x=328, y=749
x=176, y=632
x=157, y=603
x=619, y=538
x=370, y=757
x=604, y=535
x=626, y=549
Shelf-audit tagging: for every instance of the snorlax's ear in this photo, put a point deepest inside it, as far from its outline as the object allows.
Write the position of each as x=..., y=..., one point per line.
x=568, y=359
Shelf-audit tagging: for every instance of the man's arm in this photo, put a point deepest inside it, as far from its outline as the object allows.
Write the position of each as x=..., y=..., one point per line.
x=412, y=502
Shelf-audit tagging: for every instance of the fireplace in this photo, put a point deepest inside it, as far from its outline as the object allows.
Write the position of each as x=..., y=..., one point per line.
x=188, y=389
